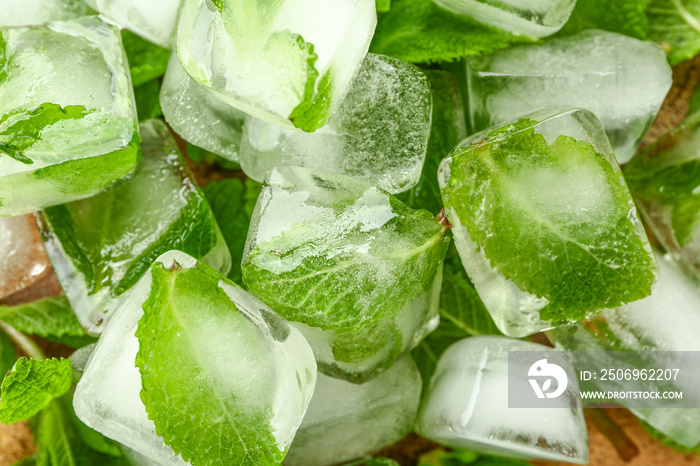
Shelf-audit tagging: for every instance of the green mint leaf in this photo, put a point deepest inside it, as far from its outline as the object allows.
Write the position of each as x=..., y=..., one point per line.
x=462, y=314
x=419, y=31
x=28, y=461
x=623, y=16
x=58, y=442
x=31, y=385
x=50, y=318
x=514, y=222
x=379, y=461
x=21, y=129
x=383, y=6
x=3, y=58
x=8, y=355
x=666, y=440
x=227, y=201
x=313, y=111
x=147, y=97
x=448, y=128
x=147, y=61
x=667, y=174
x=675, y=24
x=173, y=328
x=440, y=457
x=694, y=103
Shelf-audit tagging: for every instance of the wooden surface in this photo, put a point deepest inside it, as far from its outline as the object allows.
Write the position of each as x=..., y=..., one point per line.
x=16, y=441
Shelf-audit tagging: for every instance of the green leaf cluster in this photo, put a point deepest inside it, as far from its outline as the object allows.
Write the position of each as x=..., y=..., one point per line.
x=675, y=24
x=622, y=16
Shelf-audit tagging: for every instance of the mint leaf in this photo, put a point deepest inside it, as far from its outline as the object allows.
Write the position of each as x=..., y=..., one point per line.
x=448, y=128
x=383, y=5
x=8, y=355
x=379, y=461
x=21, y=129
x=227, y=201
x=441, y=457
x=58, y=443
x=222, y=425
x=675, y=24
x=667, y=174
x=147, y=61
x=313, y=110
x=694, y=103
x=666, y=440
x=50, y=318
x=579, y=221
x=622, y=16
x=147, y=98
x=419, y=31
x=31, y=385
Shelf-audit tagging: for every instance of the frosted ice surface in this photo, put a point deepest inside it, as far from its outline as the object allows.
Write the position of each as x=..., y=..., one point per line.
x=534, y=18
x=467, y=407
x=152, y=19
x=121, y=229
x=379, y=133
x=622, y=80
x=107, y=397
x=346, y=421
x=256, y=55
x=197, y=115
x=22, y=257
x=38, y=12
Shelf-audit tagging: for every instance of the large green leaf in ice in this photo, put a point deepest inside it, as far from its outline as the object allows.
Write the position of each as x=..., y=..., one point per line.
x=197, y=403
x=623, y=16
x=554, y=218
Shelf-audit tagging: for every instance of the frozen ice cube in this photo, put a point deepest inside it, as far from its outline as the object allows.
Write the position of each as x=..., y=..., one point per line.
x=533, y=18
x=107, y=397
x=668, y=320
x=101, y=246
x=67, y=117
x=288, y=62
x=22, y=258
x=197, y=115
x=38, y=12
x=664, y=180
x=544, y=223
x=346, y=421
x=154, y=20
x=621, y=79
x=467, y=407
x=353, y=268
x=379, y=133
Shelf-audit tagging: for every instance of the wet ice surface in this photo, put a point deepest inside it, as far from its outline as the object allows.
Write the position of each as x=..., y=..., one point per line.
x=22, y=257
x=346, y=421
x=197, y=115
x=533, y=18
x=622, y=80
x=467, y=407
x=256, y=59
x=152, y=19
x=38, y=12
x=379, y=133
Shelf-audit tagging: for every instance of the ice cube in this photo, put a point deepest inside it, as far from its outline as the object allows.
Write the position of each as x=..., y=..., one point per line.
x=22, y=258
x=533, y=18
x=353, y=268
x=101, y=246
x=197, y=115
x=67, y=116
x=38, y=12
x=467, y=407
x=668, y=320
x=288, y=62
x=666, y=187
x=379, y=133
x=621, y=79
x=107, y=397
x=346, y=421
x=544, y=223
x=153, y=20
